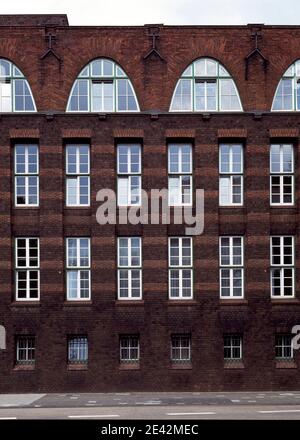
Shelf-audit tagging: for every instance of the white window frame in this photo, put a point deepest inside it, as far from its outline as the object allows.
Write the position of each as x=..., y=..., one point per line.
x=281, y=174
x=282, y=267
x=26, y=176
x=231, y=267
x=181, y=267
x=77, y=175
x=78, y=268
x=232, y=347
x=180, y=174
x=129, y=174
x=89, y=75
x=102, y=82
x=181, y=348
x=294, y=91
x=206, y=81
x=26, y=361
x=231, y=174
x=129, y=268
x=79, y=361
x=282, y=346
x=27, y=268
x=130, y=347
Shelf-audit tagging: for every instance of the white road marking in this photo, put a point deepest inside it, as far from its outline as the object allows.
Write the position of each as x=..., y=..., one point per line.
x=92, y=401
x=235, y=401
x=93, y=416
x=280, y=411
x=122, y=394
x=252, y=401
x=73, y=397
x=207, y=413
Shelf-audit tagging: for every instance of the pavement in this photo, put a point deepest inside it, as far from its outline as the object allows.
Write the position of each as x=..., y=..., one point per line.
x=167, y=406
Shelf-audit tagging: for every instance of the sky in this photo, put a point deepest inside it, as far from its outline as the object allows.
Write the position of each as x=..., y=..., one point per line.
x=139, y=12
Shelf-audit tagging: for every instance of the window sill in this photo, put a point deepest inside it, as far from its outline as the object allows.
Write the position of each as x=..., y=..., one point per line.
x=129, y=366
x=231, y=301
x=233, y=365
x=36, y=303
x=277, y=301
x=181, y=302
x=293, y=206
x=27, y=207
x=286, y=364
x=129, y=302
x=181, y=366
x=24, y=367
x=77, y=303
x=77, y=367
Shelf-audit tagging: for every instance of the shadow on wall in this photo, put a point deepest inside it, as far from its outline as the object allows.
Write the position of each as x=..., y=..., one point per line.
x=2, y=338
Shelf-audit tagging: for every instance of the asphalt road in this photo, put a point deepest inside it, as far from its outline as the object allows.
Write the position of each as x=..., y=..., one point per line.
x=170, y=406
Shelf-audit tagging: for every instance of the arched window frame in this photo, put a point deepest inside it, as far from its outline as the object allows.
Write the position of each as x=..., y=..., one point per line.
x=292, y=73
x=14, y=74
x=221, y=73
x=117, y=74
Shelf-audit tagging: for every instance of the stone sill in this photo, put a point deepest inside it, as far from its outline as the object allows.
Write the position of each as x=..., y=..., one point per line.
x=129, y=302
x=129, y=366
x=77, y=303
x=236, y=302
x=288, y=364
x=36, y=303
x=232, y=365
x=285, y=301
x=24, y=367
x=77, y=367
x=182, y=302
x=181, y=366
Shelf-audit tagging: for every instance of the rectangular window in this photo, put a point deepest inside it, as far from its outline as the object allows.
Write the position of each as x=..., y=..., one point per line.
x=206, y=95
x=283, y=347
x=129, y=268
x=25, y=350
x=282, y=266
x=231, y=267
x=77, y=350
x=129, y=174
x=181, y=348
x=231, y=174
x=232, y=347
x=129, y=349
x=282, y=174
x=102, y=96
x=5, y=97
x=26, y=175
x=78, y=269
x=27, y=269
x=78, y=175
x=180, y=171
x=180, y=268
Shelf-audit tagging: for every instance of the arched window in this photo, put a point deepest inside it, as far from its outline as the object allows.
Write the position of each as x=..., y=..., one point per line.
x=15, y=93
x=102, y=86
x=287, y=96
x=205, y=86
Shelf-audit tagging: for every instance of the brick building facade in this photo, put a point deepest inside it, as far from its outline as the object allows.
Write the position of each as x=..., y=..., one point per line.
x=206, y=323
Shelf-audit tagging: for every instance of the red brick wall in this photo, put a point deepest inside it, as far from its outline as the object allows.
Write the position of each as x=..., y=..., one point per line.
x=155, y=318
